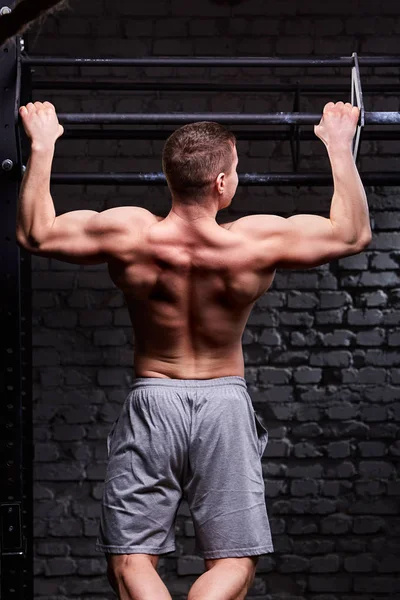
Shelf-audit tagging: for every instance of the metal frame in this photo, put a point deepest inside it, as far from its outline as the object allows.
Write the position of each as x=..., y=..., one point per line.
x=15, y=385
x=293, y=120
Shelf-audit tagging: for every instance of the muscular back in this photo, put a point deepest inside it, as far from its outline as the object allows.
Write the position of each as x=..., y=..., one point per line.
x=189, y=291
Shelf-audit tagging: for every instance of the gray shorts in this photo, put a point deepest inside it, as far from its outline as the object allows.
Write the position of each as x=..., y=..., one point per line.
x=200, y=440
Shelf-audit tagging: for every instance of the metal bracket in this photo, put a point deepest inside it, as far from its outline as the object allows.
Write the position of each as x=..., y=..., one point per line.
x=357, y=100
x=11, y=529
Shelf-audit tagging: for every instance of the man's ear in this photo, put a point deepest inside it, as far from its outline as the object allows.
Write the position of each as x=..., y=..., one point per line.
x=220, y=183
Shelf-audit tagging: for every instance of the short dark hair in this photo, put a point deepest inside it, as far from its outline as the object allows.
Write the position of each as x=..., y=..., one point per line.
x=194, y=155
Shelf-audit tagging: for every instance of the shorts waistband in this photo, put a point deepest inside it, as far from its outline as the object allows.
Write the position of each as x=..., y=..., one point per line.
x=188, y=383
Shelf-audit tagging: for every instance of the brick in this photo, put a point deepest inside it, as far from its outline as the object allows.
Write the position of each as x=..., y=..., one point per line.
x=55, y=318
x=53, y=281
x=191, y=565
x=277, y=448
x=371, y=469
x=60, y=566
x=271, y=300
x=344, y=470
x=45, y=358
x=378, y=298
x=304, y=375
x=92, y=566
x=338, y=524
x=367, y=375
x=325, y=564
x=339, y=337
x=292, y=281
x=363, y=563
x=109, y=337
x=382, y=358
x=311, y=338
x=294, y=319
x=46, y=452
x=375, y=337
x=329, y=317
x=339, y=358
x=276, y=488
x=58, y=472
x=275, y=376
x=304, y=487
x=307, y=430
x=388, y=219
x=378, y=280
x=341, y=449
x=292, y=564
x=109, y=377
x=368, y=524
x=394, y=338
x=297, y=300
x=67, y=433
x=359, y=262
x=373, y=413
x=121, y=318
x=65, y=528
x=329, y=300
x=364, y=318
x=385, y=261
x=306, y=450
x=95, y=318
x=391, y=317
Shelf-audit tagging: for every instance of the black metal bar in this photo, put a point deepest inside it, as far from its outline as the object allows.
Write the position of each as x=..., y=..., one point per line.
x=180, y=118
x=15, y=497
x=197, y=86
x=280, y=118
x=212, y=61
x=295, y=131
x=162, y=134
x=251, y=179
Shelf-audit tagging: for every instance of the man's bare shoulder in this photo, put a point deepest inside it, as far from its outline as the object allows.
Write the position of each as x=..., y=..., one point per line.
x=257, y=226
x=130, y=214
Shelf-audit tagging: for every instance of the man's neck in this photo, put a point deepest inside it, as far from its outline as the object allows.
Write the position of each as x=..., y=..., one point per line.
x=192, y=213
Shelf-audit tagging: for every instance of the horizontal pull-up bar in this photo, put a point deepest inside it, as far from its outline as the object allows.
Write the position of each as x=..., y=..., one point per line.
x=212, y=86
x=215, y=61
x=252, y=135
x=280, y=118
x=319, y=179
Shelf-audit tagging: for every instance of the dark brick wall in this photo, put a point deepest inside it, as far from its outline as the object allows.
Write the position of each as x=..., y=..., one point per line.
x=321, y=349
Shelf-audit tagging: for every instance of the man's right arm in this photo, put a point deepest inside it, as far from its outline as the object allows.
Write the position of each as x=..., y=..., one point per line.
x=305, y=241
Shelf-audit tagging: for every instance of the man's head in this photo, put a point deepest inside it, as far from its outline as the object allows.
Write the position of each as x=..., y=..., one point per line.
x=199, y=161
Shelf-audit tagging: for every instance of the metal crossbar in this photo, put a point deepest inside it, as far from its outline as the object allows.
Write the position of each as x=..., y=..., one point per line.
x=250, y=179
x=279, y=118
x=212, y=61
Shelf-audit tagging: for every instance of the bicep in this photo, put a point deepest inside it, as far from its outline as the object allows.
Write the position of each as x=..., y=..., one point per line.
x=306, y=241
x=73, y=238
x=301, y=241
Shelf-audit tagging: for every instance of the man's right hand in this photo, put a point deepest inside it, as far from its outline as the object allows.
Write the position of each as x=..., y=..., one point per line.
x=338, y=124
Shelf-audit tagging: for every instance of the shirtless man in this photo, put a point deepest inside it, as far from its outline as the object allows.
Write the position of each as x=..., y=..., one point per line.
x=188, y=427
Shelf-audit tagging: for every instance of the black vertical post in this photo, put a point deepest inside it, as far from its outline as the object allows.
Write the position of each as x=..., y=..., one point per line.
x=15, y=380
